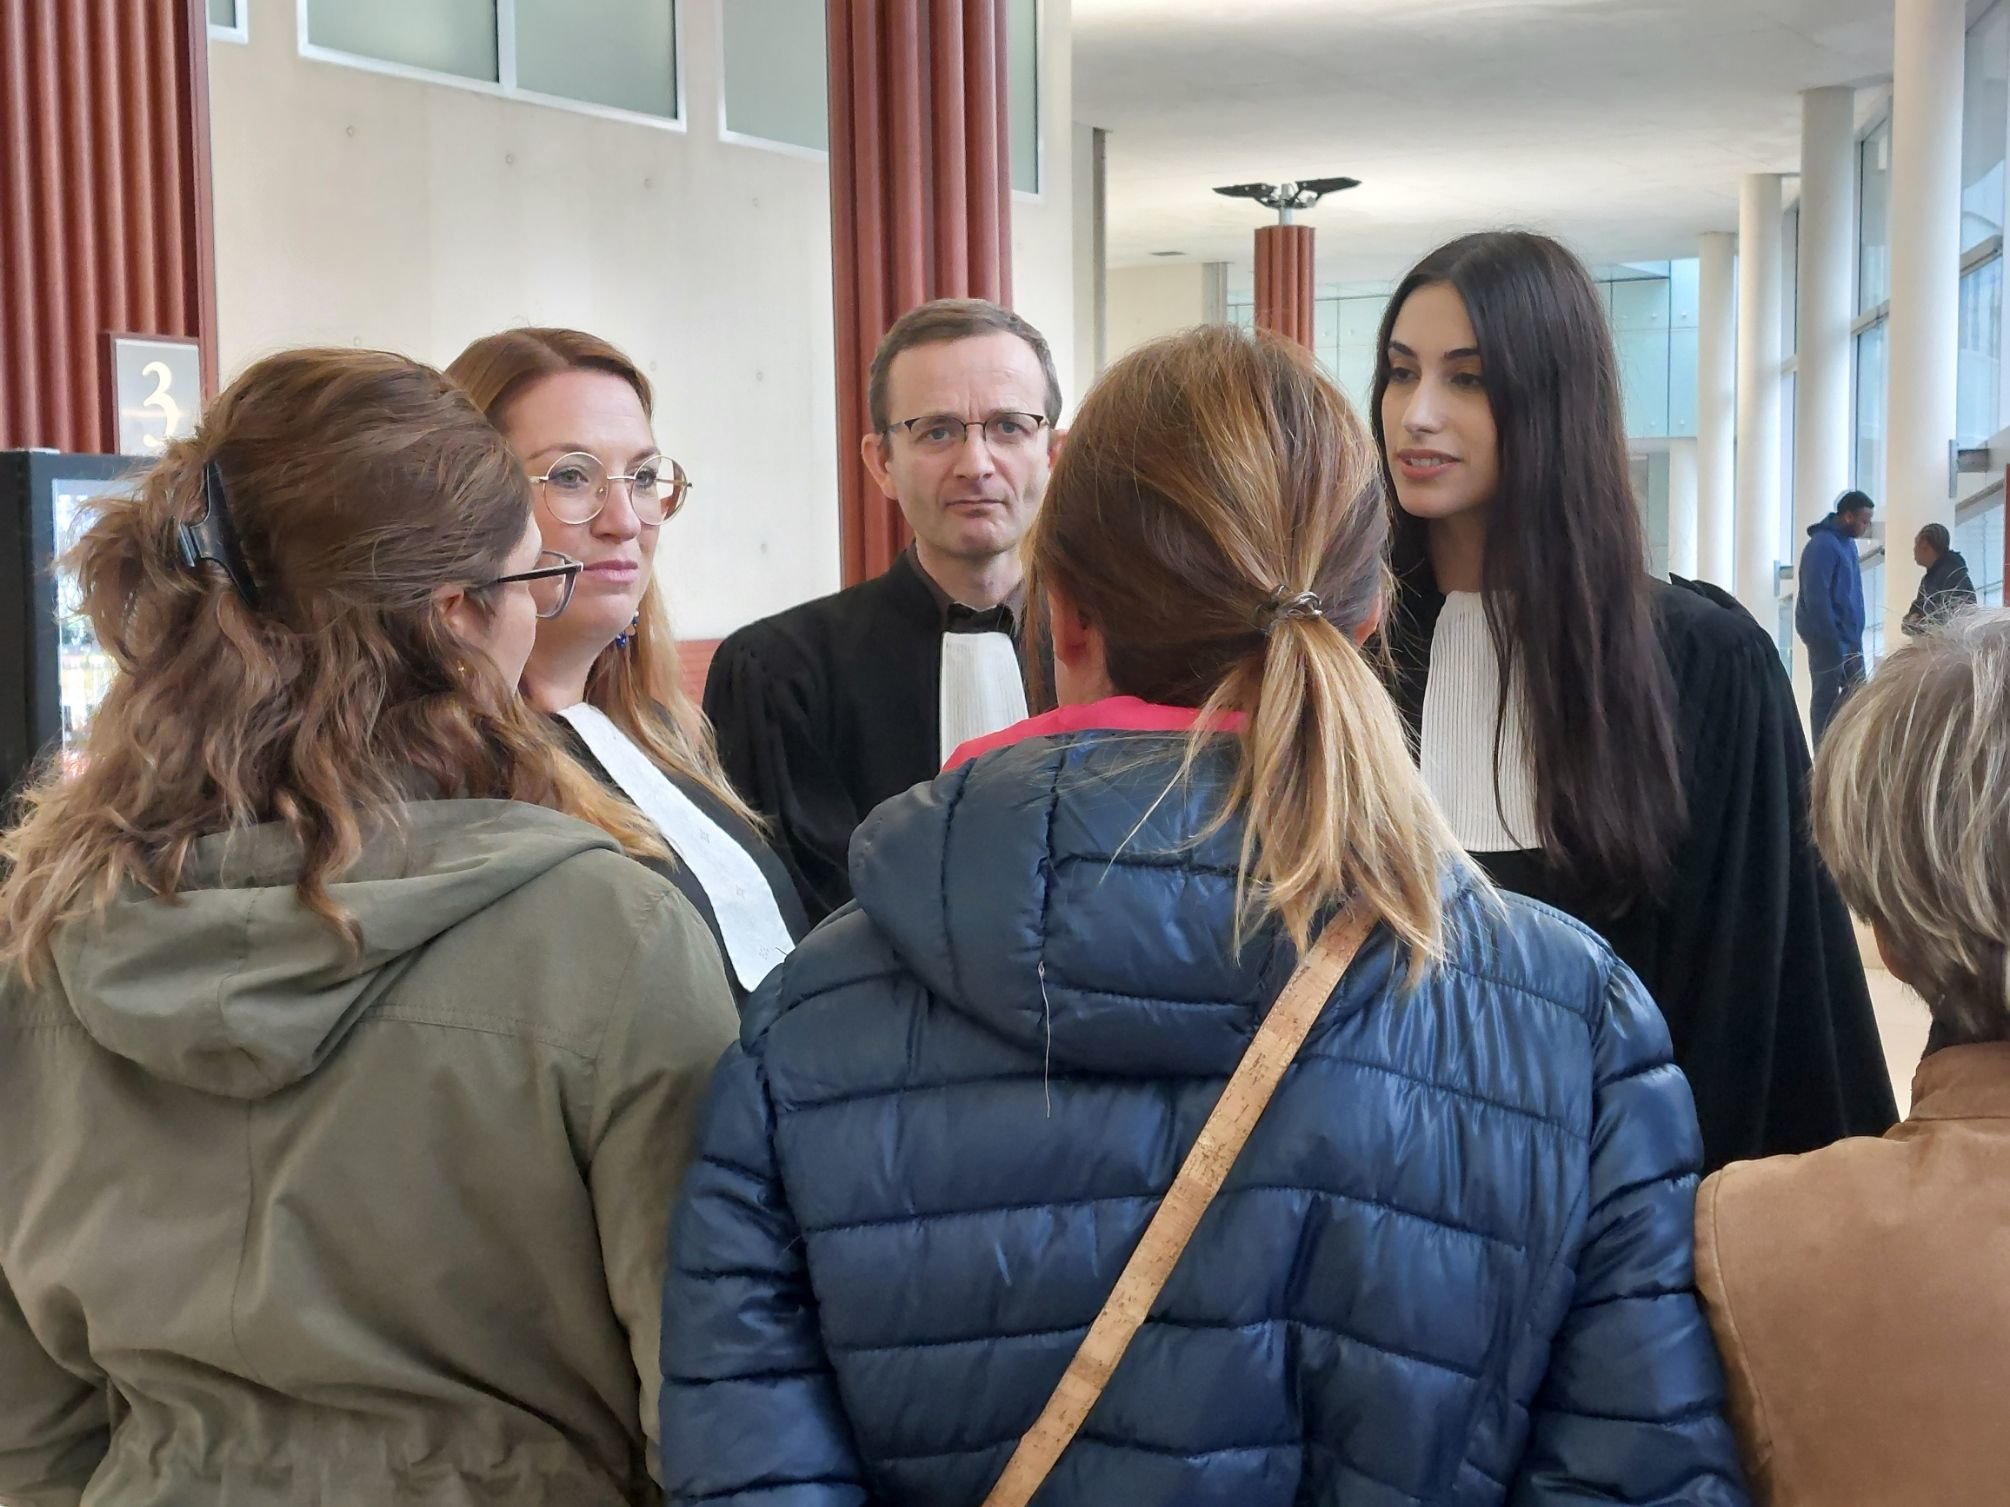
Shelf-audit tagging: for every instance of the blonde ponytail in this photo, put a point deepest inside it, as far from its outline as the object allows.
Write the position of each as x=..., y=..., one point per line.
x=1331, y=807
x=1203, y=471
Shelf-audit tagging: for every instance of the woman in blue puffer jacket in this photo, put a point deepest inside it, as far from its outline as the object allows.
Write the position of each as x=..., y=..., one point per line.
x=1451, y=1265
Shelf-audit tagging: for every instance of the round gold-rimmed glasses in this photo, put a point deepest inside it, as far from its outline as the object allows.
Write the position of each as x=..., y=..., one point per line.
x=576, y=487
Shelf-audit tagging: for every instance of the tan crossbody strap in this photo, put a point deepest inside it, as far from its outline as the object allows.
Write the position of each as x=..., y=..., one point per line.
x=1220, y=1142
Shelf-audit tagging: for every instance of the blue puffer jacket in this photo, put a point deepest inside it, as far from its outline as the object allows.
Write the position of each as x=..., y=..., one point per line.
x=1451, y=1266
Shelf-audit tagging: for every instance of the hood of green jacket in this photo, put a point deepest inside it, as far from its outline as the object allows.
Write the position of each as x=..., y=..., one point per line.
x=235, y=988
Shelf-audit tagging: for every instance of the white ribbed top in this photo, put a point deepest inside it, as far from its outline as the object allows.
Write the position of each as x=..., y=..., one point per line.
x=1461, y=706
x=983, y=689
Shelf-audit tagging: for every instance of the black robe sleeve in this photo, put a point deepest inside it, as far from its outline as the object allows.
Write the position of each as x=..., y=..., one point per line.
x=774, y=742
x=1755, y=961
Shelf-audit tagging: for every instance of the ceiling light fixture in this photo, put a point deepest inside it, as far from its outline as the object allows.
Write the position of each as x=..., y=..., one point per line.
x=1288, y=198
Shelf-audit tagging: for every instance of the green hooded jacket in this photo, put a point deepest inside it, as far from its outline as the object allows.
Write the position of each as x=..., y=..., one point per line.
x=281, y=1223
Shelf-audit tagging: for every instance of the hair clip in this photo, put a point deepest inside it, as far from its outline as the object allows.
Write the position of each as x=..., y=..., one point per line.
x=1306, y=605
x=211, y=537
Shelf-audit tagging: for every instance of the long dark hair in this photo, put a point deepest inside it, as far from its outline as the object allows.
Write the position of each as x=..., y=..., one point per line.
x=1564, y=582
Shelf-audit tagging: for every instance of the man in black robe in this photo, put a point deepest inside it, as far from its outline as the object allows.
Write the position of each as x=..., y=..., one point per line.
x=825, y=710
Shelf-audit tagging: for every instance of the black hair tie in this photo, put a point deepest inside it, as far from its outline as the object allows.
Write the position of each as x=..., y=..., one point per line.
x=1282, y=604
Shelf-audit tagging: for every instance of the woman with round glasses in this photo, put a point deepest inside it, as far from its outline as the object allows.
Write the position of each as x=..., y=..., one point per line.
x=577, y=414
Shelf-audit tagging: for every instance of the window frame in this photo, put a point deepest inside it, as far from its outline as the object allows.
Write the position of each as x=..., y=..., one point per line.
x=506, y=87
x=239, y=33
x=752, y=139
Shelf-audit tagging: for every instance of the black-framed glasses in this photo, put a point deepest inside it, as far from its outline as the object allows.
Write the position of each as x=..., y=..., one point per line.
x=945, y=431
x=576, y=487
x=551, y=583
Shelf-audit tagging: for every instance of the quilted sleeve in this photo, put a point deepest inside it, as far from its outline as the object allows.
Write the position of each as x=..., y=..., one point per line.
x=1631, y=1407
x=751, y=1413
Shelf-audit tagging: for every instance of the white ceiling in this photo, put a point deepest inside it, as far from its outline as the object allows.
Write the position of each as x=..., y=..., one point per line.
x=1622, y=125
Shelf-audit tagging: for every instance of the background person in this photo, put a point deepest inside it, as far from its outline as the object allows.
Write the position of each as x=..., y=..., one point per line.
x=1946, y=588
x=1828, y=605
x=827, y=709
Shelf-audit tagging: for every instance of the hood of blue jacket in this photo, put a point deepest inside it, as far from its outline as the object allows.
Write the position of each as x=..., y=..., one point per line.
x=1076, y=890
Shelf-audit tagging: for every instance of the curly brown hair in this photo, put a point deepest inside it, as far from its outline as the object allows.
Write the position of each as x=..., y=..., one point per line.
x=359, y=483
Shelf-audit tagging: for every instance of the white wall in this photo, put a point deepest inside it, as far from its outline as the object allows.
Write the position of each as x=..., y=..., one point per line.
x=1043, y=226
x=358, y=208
x=1147, y=302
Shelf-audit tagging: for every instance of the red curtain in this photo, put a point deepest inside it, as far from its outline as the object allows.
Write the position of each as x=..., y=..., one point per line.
x=921, y=203
x=105, y=222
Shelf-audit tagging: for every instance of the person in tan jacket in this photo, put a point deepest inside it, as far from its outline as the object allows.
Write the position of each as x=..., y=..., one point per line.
x=348, y=1064
x=1858, y=1293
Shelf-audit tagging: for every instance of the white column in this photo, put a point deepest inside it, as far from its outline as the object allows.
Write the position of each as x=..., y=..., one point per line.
x=1716, y=405
x=1760, y=249
x=1925, y=286
x=1827, y=307
x=1682, y=517
x=1827, y=286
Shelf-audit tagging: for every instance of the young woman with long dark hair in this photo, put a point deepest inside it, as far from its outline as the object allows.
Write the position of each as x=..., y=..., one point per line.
x=1624, y=748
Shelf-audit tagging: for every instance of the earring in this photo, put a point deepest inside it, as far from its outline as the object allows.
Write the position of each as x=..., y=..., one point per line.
x=627, y=635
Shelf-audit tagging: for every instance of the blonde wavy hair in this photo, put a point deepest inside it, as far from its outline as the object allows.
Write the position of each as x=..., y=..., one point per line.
x=640, y=688
x=1210, y=479
x=1912, y=813
x=359, y=483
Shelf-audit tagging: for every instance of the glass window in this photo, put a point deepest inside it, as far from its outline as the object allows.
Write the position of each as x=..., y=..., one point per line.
x=1873, y=282
x=1359, y=321
x=1979, y=537
x=1790, y=396
x=1790, y=281
x=1685, y=318
x=1640, y=336
x=1640, y=312
x=1022, y=58
x=777, y=87
x=621, y=53
x=1873, y=611
x=1868, y=474
x=443, y=36
x=1985, y=116
x=1976, y=390
x=223, y=13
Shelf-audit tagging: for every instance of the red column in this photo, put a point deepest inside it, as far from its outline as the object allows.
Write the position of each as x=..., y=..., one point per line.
x=1284, y=281
x=921, y=203
x=105, y=217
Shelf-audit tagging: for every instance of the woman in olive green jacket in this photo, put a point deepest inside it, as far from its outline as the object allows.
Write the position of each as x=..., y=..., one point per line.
x=347, y=1064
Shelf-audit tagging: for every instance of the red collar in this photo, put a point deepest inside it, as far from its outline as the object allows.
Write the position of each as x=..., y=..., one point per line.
x=1122, y=714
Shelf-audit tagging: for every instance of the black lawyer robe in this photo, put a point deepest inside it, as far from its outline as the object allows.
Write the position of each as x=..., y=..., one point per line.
x=679, y=873
x=827, y=709
x=1751, y=955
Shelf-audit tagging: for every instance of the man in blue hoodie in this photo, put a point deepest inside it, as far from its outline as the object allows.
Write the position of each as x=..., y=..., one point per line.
x=1828, y=605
